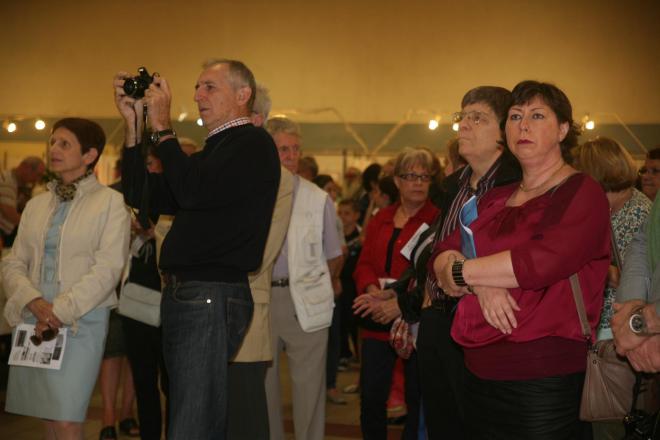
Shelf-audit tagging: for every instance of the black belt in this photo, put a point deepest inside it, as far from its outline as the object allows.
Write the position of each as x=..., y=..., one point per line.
x=280, y=283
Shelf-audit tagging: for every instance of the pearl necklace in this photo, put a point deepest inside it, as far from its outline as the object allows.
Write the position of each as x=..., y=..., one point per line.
x=522, y=186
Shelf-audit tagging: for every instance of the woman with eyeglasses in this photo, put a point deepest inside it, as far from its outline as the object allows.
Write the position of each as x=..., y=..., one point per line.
x=649, y=174
x=380, y=263
x=517, y=321
x=71, y=248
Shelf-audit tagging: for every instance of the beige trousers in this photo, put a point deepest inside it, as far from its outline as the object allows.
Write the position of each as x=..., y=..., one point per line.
x=306, y=356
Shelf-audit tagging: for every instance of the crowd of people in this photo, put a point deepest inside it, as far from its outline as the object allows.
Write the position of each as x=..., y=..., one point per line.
x=450, y=280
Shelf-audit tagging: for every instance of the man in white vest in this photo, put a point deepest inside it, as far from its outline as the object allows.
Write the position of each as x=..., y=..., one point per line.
x=302, y=296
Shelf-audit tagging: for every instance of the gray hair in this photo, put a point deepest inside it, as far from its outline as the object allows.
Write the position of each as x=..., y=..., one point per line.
x=239, y=76
x=421, y=156
x=262, y=102
x=281, y=124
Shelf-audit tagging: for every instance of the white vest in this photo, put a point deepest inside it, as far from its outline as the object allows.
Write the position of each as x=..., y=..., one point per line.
x=309, y=277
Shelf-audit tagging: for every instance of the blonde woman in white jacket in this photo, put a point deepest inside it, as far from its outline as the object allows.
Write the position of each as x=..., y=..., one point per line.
x=68, y=256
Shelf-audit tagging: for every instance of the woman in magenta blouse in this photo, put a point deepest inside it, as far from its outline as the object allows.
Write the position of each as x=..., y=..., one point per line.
x=517, y=321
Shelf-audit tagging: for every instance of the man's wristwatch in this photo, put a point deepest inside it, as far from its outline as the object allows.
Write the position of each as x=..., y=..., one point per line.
x=637, y=322
x=457, y=273
x=157, y=135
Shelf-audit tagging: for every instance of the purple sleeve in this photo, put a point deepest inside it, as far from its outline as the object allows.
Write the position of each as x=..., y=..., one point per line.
x=573, y=231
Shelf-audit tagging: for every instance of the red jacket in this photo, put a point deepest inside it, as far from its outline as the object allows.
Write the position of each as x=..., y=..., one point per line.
x=371, y=264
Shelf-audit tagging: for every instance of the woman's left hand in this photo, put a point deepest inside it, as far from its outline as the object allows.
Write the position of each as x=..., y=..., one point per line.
x=387, y=311
x=497, y=306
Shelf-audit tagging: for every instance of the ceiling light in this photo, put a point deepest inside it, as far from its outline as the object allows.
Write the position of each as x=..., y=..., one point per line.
x=39, y=124
x=590, y=125
x=11, y=127
x=433, y=124
x=454, y=126
x=200, y=122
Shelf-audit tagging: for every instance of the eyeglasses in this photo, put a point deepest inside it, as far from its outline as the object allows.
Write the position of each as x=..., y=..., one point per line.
x=473, y=117
x=651, y=171
x=412, y=177
x=46, y=335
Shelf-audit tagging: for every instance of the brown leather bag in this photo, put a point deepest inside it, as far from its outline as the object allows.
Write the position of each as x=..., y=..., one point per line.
x=609, y=380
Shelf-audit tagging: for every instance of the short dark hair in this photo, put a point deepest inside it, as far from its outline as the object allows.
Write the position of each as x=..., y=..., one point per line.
x=352, y=203
x=654, y=154
x=387, y=186
x=525, y=91
x=240, y=75
x=309, y=163
x=89, y=134
x=370, y=175
x=322, y=180
x=497, y=98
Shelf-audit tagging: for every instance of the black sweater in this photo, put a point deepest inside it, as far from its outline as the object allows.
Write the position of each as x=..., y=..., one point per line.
x=222, y=198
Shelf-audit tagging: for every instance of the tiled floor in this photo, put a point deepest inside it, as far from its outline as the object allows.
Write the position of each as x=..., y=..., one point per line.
x=342, y=421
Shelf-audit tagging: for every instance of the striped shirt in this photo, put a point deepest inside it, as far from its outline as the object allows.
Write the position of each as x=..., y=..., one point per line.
x=8, y=196
x=485, y=184
x=233, y=123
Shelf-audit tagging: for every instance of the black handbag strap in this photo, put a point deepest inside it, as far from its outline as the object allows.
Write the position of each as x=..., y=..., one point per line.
x=579, y=305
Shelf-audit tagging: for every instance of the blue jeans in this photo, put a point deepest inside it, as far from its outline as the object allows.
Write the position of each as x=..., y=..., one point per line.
x=203, y=327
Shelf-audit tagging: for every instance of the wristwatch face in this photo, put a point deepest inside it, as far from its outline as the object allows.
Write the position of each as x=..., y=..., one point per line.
x=637, y=323
x=156, y=135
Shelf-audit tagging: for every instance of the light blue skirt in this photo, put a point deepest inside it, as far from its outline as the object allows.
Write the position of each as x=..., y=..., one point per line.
x=61, y=394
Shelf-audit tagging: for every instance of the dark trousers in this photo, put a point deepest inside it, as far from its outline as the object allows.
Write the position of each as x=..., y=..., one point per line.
x=247, y=411
x=144, y=351
x=378, y=360
x=441, y=376
x=539, y=409
x=332, y=360
x=347, y=326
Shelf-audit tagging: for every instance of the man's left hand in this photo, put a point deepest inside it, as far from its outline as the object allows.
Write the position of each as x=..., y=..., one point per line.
x=158, y=98
x=624, y=338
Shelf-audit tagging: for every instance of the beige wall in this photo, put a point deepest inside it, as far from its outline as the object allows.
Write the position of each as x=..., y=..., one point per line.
x=12, y=153
x=371, y=60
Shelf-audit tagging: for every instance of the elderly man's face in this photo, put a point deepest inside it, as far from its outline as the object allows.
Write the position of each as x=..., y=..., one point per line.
x=217, y=100
x=288, y=147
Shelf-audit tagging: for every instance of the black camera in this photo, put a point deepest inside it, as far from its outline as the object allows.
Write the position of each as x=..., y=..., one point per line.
x=135, y=87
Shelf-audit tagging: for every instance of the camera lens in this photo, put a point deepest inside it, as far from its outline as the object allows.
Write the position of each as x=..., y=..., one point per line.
x=131, y=87
x=135, y=87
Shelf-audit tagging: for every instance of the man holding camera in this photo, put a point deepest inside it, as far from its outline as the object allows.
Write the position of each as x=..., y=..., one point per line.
x=223, y=199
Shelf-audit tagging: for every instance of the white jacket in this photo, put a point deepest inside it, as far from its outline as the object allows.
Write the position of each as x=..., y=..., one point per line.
x=92, y=253
x=309, y=277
